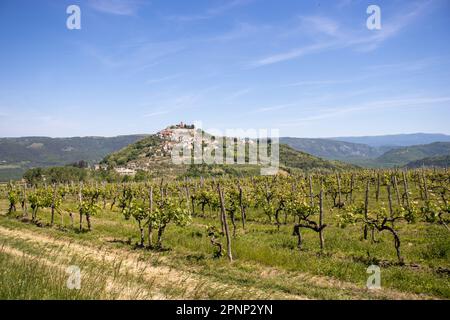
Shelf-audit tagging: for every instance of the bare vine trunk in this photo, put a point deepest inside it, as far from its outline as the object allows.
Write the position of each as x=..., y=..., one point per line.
x=225, y=224
x=88, y=220
x=241, y=205
x=141, y=230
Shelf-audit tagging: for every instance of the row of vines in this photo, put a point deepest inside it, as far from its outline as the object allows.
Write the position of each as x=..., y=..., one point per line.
x=376, y=201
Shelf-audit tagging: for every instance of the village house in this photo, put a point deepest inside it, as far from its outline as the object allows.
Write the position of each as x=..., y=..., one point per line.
x=125, y=171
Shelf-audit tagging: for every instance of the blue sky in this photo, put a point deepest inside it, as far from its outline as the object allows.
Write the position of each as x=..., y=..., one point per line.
x=308, y=68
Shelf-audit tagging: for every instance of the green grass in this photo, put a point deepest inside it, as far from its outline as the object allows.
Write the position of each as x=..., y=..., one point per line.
x=24, y=278
x=260, y=247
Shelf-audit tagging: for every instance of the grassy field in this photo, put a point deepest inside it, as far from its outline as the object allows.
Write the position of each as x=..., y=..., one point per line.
x=267, y=263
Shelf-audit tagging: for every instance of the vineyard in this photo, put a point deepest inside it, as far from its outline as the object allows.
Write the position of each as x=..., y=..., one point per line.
x=288, y=237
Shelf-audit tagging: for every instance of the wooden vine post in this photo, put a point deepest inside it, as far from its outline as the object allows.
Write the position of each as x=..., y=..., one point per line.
x=425, y=186
x=80, y=199
x=321, y=225
x=397, y=192
x=405, y=185
x=224, y=221
x=241, y=205
x=378, y=187
x=311, y=193
x=53, y=204
x=366, y=209
x=391, y=211
x=24, y=201
x=352, y=182
x=150, y=226
x=340, y=205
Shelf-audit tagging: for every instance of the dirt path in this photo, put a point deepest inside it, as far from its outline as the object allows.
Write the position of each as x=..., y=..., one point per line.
x=191, y=283
x=114, y=287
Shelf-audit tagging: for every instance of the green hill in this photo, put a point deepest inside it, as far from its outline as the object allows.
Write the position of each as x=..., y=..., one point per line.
x=20, y=154
x=403, y=156
x=153, y=154
x=291, y=158
x=437, y=161
x=142, y=148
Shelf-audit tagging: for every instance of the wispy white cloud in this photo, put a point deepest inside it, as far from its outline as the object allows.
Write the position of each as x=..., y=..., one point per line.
x=237, y=94
x=274, y=108
x=133, y=57
x=117, y=7
x=326, y=113
x=164, y=79
x=372, y=71
x=241, y=30
x=315, y=102
x=289, y=55
x=156, y=113
x=345, y=3
x=405, y=66
x=320, y=25
x=332, y=36
x=317, y=83
x=211, y=12
x=396, y=25
x=172, y=103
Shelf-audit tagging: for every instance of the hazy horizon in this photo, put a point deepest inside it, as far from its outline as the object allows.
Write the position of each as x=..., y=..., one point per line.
x=150, y=133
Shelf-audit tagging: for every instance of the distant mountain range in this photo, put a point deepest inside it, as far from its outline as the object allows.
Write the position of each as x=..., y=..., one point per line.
x=336, y=150
x=374, y=155
x=405, y=155
x=19, y=154
x=397, y=140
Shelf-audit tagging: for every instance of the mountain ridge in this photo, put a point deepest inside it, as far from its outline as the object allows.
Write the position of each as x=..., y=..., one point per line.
x=20, y=153
x=333, y=149
x=403, y=140
x=405, y=155
x=436, y=161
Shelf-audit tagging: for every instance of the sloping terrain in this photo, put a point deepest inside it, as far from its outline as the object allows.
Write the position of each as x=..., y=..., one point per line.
x=402, y=156
x=332, y=149
x=153, y=153
x=437, y=161
x=291, y=158
x=19, y=154
x=36, y=258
